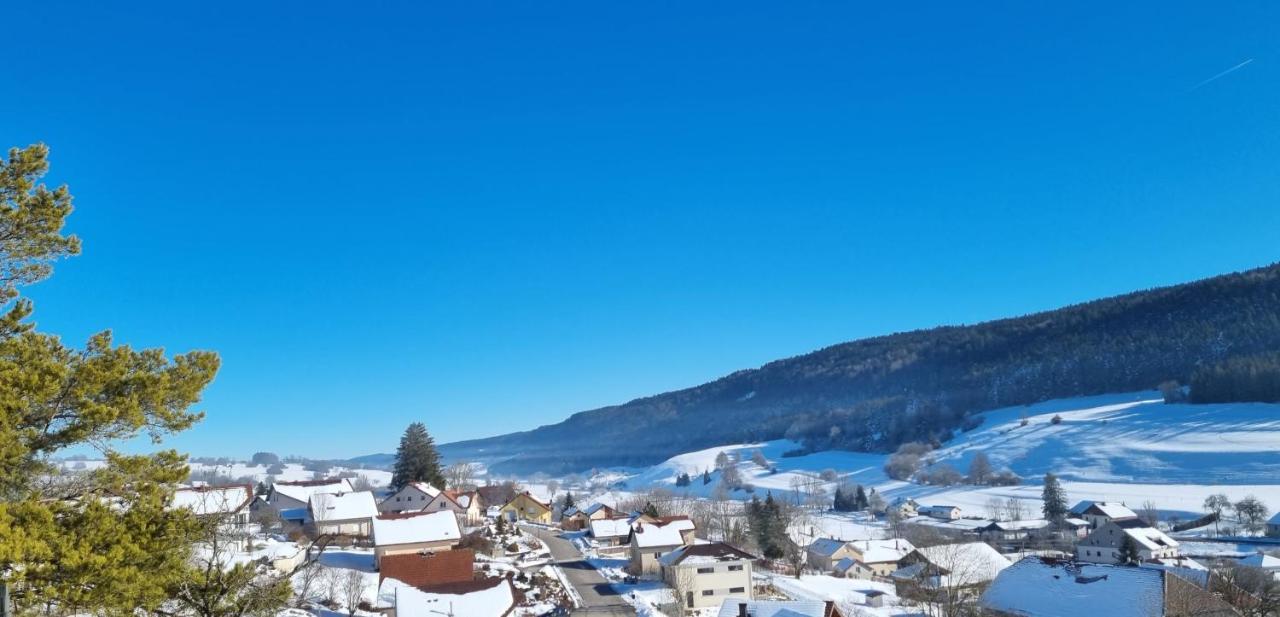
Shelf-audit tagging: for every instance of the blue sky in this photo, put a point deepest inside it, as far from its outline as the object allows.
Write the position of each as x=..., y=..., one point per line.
x=488, y=216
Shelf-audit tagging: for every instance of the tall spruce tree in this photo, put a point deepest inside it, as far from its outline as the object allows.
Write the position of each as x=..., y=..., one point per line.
x=860, y=499
x=417, y=459
x=102, y=541
x=1055, y=499
x=1129, y=555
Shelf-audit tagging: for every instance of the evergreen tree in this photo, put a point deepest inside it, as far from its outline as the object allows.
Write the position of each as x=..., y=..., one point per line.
x=683, y=480
x=568, y=500
x=500, y=525
x=106, y=541
x=417, y=459
x=706, y=477
x=837, y=503
x=1055, y=499
x=1128, y=552
x=860, y=499
x=651, y=510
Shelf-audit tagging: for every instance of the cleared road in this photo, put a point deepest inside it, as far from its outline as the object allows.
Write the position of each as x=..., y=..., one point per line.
x=598, y=597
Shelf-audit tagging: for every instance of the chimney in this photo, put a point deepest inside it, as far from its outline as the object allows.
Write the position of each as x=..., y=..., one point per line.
x=830, y=608
x=742, y=609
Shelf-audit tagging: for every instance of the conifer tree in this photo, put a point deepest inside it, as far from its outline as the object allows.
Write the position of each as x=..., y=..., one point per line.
x=568, y=500
x=860, y=499
x=103, y=541
x=706, y=477
x=651, y=510
x=1055, y=500
x=1128, y=552
x=417, y=459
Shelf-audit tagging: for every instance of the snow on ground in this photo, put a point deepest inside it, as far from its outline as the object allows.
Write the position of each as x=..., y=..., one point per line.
x=848, y=594
x=1130, y=448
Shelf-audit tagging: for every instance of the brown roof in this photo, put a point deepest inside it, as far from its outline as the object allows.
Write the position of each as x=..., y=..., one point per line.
x=493, y=494
x=424, y=570
x=531, y=498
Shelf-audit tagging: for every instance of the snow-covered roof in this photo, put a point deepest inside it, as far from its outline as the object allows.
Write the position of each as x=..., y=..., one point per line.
x=844, y=564
x=966, y=564
x=1076, y=522
x=610, y=528
x=570, y=511
x=343, y=506
x=1047, y=588
x=1038, y=523
x=302, y=491
x=492, y=598
x=773, y=608
x=646, y=535
x=939, y=508
x=826, y=546
x=1109, y=509
x=415, y=527
x=1150, y=538
x=595, y=507
x=1261, y=560
x=213, y=499
x=425, y=487
x=882, y=551
x=711, y=552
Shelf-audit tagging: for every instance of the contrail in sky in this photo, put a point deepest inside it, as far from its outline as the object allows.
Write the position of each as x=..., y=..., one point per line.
x=1222, y=74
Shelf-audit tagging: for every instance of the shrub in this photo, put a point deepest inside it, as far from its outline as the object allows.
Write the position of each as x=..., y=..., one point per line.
x=1056, y=420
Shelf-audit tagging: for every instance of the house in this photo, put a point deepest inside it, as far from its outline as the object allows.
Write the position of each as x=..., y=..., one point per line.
x=882, y=557
x=944, y=512
x=464, y=505
x=426, y=569
x=490, y=597
x=737, y=607
x=702, y=575
x=1273, y=525
x=1104, y=544
x=650, y=541
x=1038, y=587
x=291, y=495
x=610, y=531
x=414, y=532
x=1013, y=531
x=412, y=497
x=1263, y=561
x=948, y=566
x=849, y=567
x=342, y=514
x=874, y=597
x=1099, y=513
x=526, y=507
x=580, y=518
x=494, y=495
x=823, y=553
x=905, y=508
x=1077, y=528
x=229, y=503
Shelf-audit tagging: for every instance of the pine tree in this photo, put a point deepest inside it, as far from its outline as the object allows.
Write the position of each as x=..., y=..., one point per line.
x=1055, y=500
x=1129, y=555
x=651, y=510
x=860, y=499
x=417, y=459
x=706, y=477
x=837, y=503
x=500, y=525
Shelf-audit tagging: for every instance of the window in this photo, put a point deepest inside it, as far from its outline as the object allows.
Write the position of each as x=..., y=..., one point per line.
x=706, y=570
x=736, y=568
x=397, y=498
x=737, y=590
x=656, y=555
x=708, y=592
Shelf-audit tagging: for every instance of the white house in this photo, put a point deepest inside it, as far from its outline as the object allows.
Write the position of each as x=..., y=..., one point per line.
x=1273, y=525
x=464, y=505
x=228, y=503
x=411, y=497
x=348, y=514
x=944, y=512
x=703, y=575
x=610, y=531
x=1099, y=513
x=824, y=553
x=1105, y=543
x=292, y=495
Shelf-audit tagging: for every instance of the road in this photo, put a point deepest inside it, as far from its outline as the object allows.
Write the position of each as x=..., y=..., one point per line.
x=598, y=597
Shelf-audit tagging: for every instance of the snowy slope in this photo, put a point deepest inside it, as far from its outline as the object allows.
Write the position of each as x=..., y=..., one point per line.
x=1125, y=447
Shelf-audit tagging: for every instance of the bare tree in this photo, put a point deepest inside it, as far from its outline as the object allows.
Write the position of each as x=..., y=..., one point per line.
x=1149, y=513
x=353, y=590
x=681, y=582
x=462, y=475
x=995, y=508
x=1216, y=505
x=1252, y=513
x=552, y=488
x=1014, y=509
x=953, y=578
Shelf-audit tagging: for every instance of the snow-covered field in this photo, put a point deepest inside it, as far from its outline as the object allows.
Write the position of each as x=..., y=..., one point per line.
x=1129, y=447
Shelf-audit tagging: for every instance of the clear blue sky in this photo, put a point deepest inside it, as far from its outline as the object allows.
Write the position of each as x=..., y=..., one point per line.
x=486, y=217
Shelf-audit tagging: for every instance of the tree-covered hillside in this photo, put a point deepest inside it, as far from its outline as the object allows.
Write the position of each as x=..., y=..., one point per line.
x=875, y=393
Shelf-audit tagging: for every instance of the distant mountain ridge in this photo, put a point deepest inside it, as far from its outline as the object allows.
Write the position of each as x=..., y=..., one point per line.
x=875, y=393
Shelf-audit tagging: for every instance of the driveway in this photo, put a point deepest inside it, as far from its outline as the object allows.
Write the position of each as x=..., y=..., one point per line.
x=598, y=596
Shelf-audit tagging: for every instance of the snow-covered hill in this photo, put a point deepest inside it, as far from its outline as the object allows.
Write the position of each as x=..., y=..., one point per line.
x=1127, y=447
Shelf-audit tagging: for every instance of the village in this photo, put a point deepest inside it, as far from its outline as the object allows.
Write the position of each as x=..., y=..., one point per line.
x=512, y=548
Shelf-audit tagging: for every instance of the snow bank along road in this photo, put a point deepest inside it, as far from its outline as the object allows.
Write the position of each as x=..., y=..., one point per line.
x=598, y=597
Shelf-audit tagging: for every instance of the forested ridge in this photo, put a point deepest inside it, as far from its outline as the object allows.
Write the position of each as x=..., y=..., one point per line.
x=873, y=394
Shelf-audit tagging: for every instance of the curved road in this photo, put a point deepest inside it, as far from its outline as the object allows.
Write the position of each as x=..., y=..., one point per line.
x=598, y=597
